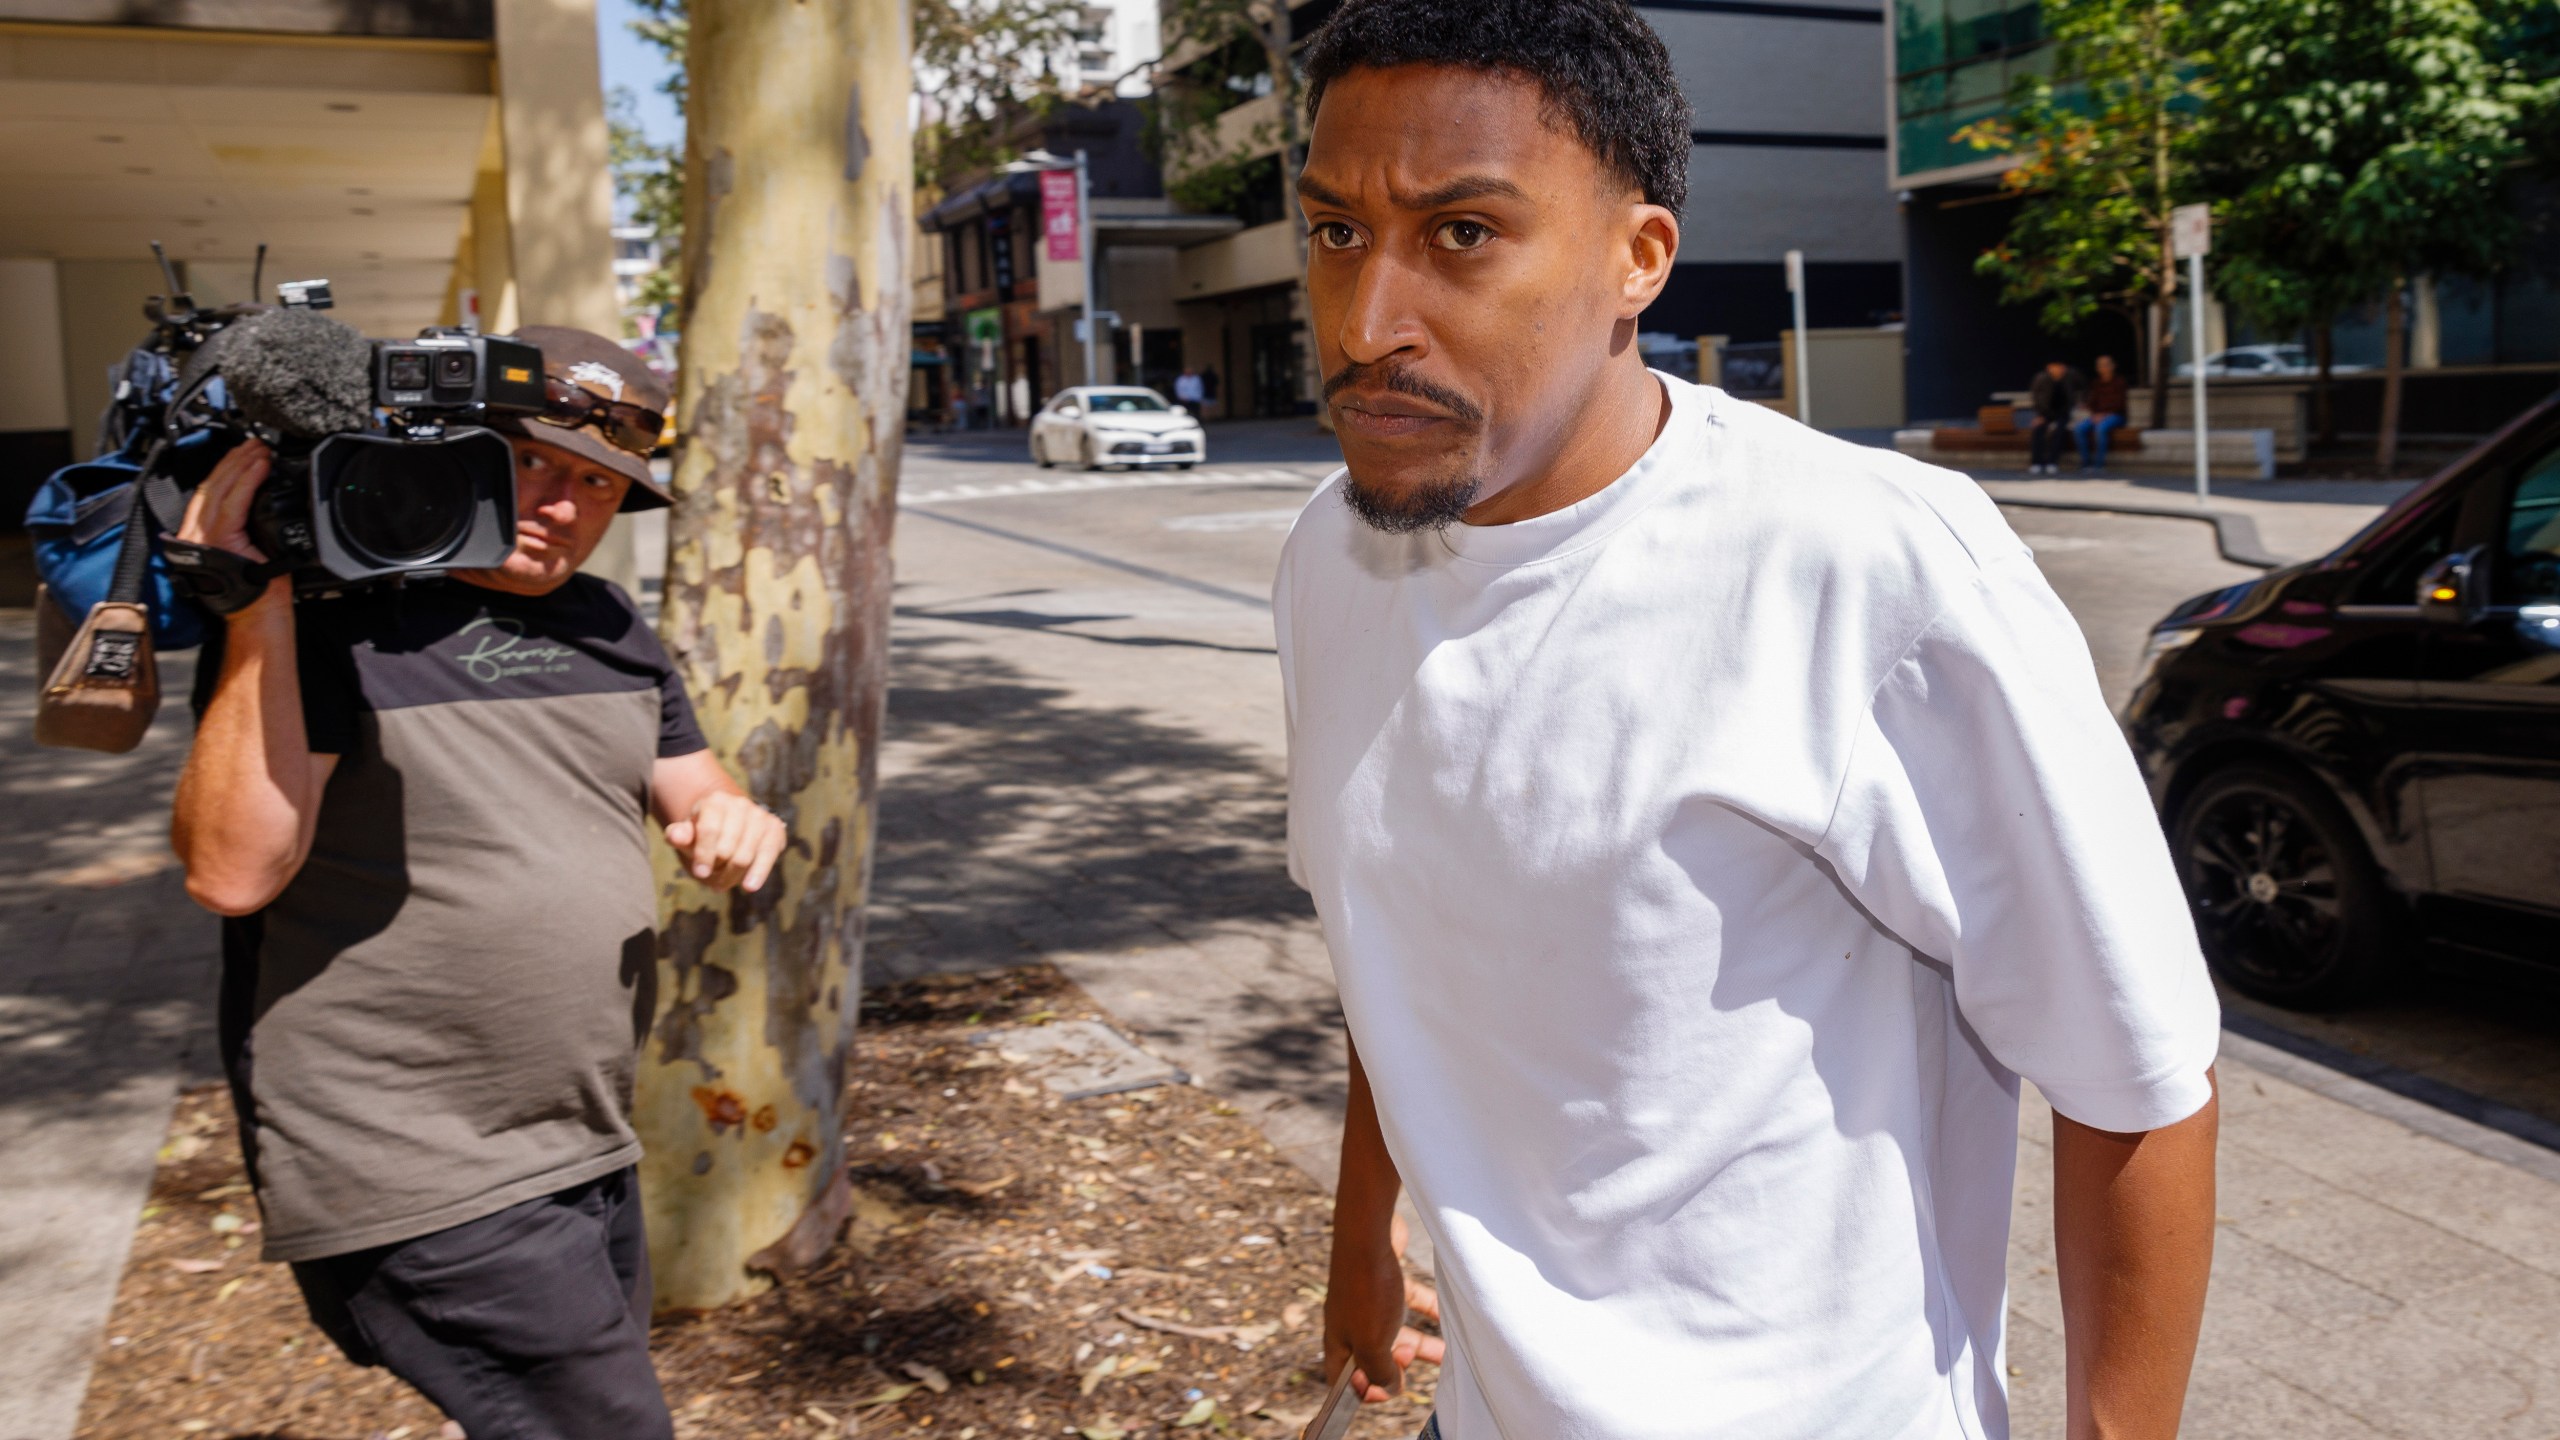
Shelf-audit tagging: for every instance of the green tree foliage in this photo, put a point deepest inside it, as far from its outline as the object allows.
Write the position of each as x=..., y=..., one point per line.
x=2102, y=153
x=649, y=178
x=2365, y=143
x=983, y=67
x=663, y=24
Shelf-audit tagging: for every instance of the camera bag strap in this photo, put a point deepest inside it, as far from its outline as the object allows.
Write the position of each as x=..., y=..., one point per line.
x=104, y=690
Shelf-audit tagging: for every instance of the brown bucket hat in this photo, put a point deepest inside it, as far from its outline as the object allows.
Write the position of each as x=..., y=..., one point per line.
x=585, y=361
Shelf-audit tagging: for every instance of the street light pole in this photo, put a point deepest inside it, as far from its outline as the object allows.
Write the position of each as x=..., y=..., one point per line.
x=1084, y=246
x=1804, y=346
x=2204, y=459
x=2190, y=238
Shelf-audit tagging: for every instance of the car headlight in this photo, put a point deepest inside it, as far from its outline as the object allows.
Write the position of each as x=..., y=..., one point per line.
x=2157, y=650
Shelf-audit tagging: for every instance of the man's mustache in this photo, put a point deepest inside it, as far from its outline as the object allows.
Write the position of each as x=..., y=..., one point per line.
x=1403, y=382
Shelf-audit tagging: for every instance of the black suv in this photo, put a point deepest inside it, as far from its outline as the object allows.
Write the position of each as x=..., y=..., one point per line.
x=2371, y=740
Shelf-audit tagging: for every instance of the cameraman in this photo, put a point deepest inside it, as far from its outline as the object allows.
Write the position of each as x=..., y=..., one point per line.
x=421, y=810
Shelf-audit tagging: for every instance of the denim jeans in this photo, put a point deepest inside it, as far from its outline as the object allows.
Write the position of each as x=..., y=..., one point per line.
x=2091, y=435
x=1430, y=1429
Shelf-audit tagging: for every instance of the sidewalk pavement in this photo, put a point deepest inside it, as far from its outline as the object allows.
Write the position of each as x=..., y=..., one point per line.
x=105, y=1002
x=2293, y=519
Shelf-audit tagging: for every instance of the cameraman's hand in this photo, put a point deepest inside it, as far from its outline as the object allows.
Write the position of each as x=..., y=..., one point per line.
x=728, y=840
x=218, y=513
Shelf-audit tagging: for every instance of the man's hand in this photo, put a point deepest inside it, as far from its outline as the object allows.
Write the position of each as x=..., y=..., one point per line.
x=218, y=513
x=728, y=839
x=1366, y=1293
x=1366, y=1298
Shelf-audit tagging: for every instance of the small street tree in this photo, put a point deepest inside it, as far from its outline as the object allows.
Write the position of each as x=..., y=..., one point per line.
x=2371, y=141
x=982, y=66
x=1246, y=46
x=2103, y=151
x=798, y=200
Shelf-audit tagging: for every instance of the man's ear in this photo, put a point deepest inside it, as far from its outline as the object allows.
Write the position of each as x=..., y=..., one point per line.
x=1653, y=244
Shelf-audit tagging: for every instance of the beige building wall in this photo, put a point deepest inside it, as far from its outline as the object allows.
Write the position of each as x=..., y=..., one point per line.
x=32, y=393
x=101, y=308
x=559, y=186
x=1249, y=259
x=555, y=225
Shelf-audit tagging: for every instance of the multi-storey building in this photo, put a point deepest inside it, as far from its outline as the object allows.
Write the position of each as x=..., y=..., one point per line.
x=1788, y=153
x=2478, y=350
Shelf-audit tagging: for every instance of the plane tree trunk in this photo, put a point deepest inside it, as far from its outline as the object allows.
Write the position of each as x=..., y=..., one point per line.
x=798, y=186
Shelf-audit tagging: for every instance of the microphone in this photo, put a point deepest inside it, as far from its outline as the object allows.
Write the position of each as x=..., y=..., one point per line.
x=293, y=371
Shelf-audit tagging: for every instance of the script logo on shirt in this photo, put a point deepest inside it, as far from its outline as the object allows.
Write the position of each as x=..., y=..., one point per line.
x=501, y=649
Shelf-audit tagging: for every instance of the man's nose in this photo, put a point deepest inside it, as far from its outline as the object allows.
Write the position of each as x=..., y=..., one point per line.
x=1383, y=319
x=554, y=503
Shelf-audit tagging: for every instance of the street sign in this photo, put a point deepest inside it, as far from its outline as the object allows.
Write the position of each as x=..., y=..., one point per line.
x=1058, y=218
x=2191, y=231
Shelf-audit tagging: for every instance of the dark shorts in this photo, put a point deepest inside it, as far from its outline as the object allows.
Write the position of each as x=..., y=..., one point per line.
x=529, y=1324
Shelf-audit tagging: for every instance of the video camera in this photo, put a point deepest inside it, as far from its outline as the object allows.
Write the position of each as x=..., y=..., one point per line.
x=379, y=469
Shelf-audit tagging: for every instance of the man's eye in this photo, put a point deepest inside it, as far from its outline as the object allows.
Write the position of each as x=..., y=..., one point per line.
x=1334, y=235
x=1464, y=234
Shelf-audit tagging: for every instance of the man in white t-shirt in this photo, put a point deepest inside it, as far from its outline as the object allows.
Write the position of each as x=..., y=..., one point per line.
x=1187, y=388
x=1711, y=822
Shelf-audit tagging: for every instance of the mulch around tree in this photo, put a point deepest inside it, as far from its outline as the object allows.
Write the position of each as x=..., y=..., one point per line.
x=1131, y=1265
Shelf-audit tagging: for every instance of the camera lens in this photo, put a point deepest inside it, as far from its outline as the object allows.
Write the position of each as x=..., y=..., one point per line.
x=402, y=504
x=454, y=370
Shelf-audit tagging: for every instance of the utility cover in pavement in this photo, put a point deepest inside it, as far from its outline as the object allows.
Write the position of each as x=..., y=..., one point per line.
x=1079, y=1059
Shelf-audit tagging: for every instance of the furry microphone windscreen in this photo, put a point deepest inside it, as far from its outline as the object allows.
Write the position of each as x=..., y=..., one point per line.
x=296, y=371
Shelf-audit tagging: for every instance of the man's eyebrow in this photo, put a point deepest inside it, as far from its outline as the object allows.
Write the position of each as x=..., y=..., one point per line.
x=1465, y=187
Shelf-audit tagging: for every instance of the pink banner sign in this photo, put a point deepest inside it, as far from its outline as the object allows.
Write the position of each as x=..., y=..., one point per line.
x=1058, y=213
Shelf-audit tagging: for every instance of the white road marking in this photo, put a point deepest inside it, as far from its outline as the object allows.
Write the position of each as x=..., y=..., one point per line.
x=1307, y=475
x=1231, y=521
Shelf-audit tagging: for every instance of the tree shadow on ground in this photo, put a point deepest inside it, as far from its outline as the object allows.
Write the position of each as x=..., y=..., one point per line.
x=104, y=962
x=1014, y=821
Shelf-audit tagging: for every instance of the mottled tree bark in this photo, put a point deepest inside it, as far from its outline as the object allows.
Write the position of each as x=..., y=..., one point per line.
x=798, y=184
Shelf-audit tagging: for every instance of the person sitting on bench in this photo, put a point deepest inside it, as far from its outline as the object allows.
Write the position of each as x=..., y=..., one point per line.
x=2106, y=405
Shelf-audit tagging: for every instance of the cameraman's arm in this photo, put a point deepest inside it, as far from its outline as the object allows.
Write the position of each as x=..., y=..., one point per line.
x=250, y=793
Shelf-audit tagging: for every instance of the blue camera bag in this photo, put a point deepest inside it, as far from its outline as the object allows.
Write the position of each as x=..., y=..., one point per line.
x=78, y=521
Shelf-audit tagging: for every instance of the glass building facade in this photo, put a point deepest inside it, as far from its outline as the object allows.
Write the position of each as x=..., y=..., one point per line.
x=1954, y=62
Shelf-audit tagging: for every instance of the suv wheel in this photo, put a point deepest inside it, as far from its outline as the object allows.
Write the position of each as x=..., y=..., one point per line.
x=2288, y=903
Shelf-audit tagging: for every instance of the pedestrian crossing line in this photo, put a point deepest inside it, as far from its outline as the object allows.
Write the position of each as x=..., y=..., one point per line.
x=1307, y=475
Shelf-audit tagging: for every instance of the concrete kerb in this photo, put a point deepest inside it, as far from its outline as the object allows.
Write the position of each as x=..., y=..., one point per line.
x=2235, y=535
x=2430, y=1107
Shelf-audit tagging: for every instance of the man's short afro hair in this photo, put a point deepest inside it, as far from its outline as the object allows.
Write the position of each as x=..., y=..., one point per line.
x=1607, y=76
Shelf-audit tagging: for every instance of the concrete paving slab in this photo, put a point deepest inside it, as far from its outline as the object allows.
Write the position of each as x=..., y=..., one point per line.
x=1080, y=1059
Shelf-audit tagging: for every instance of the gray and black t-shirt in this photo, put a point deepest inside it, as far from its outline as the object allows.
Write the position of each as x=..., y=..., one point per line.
x=438, y=1017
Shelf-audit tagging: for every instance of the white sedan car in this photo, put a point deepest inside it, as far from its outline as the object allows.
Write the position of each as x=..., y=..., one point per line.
x=1098, y=425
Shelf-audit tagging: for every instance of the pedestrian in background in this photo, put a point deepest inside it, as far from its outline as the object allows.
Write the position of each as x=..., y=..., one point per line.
x=1710, y=821
x=1209, y=387
x=2052, y=400
x=2106, y=406
x=1188, y=390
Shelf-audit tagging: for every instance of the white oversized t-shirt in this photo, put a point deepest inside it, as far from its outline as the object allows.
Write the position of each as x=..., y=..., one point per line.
x=1702, y=865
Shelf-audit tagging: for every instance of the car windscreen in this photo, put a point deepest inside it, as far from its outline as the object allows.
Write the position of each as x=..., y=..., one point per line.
x=1106, y=402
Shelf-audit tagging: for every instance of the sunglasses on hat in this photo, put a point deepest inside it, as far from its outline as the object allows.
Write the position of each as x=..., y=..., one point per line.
x=624, y=426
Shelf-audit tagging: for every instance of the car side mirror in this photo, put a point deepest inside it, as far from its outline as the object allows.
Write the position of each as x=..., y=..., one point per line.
x=2454, y=588
x=1070, y=411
